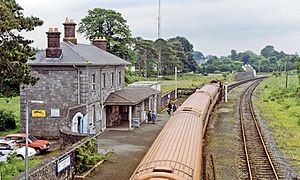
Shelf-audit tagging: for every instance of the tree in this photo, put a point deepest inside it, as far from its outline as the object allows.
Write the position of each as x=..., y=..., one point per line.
x=234, y=55
x=168, y=57
x=184, y=49
x=198, y=57
x=111, y=25
x=268, y=51
x=146, y=52
x=15, y=50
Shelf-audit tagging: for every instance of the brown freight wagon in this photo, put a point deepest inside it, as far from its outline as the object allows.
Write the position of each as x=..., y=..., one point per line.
x=177, y=151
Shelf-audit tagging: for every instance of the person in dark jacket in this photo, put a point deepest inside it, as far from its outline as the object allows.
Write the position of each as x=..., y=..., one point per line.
x=169, y=108
x=149, y=117
x=174, y=107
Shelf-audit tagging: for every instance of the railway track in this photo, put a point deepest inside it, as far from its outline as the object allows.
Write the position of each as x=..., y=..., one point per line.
x=258, y=161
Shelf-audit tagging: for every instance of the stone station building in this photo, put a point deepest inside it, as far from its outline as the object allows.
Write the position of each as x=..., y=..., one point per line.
x=75, y=81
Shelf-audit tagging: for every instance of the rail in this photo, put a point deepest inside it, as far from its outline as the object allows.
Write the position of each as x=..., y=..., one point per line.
x=260, y=136
x=254, y=172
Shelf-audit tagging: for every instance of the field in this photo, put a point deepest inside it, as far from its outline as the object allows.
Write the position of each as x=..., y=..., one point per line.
x=189, y=81
x=280, y=108
x=13, y=105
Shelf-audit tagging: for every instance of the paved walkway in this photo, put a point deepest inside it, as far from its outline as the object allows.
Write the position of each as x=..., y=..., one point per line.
x=129, y=147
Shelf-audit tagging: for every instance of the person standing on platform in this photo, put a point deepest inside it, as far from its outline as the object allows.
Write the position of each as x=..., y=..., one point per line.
x=153, y=116
x=149, y=117
x=169, y=108
x=174, y=107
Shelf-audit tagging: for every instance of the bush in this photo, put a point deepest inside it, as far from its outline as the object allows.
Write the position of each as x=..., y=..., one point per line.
x=276, y=74
x=7, y=120
x=87, y=156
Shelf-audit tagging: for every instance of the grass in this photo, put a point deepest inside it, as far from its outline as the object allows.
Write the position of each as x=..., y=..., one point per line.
x=15, y=167
x=12, y=104
x=190, y=81
x=280, y=107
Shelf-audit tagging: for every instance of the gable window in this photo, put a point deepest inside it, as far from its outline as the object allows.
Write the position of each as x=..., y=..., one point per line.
x=120, y=78
x=112, y=79
x=103, y=80
x=93, y=82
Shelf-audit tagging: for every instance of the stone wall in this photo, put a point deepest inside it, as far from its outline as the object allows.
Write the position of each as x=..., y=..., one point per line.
x=244, y=75
x=65, y=87
x=47, y=169
x=58, y=89
x=68, y=138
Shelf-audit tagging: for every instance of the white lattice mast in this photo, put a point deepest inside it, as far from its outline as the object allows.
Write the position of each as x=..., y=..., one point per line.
x=158, y=37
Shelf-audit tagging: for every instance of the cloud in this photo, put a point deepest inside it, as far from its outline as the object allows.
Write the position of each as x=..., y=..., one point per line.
x=212, y=26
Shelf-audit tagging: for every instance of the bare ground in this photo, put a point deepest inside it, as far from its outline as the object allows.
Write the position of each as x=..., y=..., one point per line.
x=128, y=147
x=222, y=139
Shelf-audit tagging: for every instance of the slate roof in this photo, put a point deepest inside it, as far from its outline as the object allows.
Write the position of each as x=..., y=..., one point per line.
x=80, y=54
x=130, y=96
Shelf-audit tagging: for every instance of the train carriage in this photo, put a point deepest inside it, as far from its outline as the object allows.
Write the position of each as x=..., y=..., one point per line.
x=177, y=151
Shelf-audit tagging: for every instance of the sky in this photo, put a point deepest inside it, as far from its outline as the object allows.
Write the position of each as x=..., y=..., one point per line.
x=214, y=27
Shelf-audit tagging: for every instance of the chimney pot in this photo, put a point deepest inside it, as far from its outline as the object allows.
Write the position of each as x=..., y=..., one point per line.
x=100, y=43
x=69, y=27
x=53, y=50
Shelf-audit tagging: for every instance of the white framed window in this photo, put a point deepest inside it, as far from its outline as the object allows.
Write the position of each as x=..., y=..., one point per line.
x=93, y=82
x=120, y=77
x=93, y=115
x=112, y=79
x=103, y=80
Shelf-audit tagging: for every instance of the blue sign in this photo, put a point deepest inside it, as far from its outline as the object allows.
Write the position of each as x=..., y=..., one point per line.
x=63, y=163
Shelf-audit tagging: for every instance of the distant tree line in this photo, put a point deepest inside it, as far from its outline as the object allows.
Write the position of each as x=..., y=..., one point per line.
x=142, y=53
x=269, y=60
x=174, y=52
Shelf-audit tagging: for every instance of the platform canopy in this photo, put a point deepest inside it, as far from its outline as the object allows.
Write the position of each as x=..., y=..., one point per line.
x=130, y=96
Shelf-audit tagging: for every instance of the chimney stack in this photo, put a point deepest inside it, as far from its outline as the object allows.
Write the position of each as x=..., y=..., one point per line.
x=100, y=43
x=69, y=26
x=53, y=50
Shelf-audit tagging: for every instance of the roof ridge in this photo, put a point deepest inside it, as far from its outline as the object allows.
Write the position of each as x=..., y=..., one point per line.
x=74, y=51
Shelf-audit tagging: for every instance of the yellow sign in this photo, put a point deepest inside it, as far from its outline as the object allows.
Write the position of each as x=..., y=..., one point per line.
x=38, y=113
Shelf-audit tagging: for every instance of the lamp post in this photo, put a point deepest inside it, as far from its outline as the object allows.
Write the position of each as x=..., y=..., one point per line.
x=26, y=149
